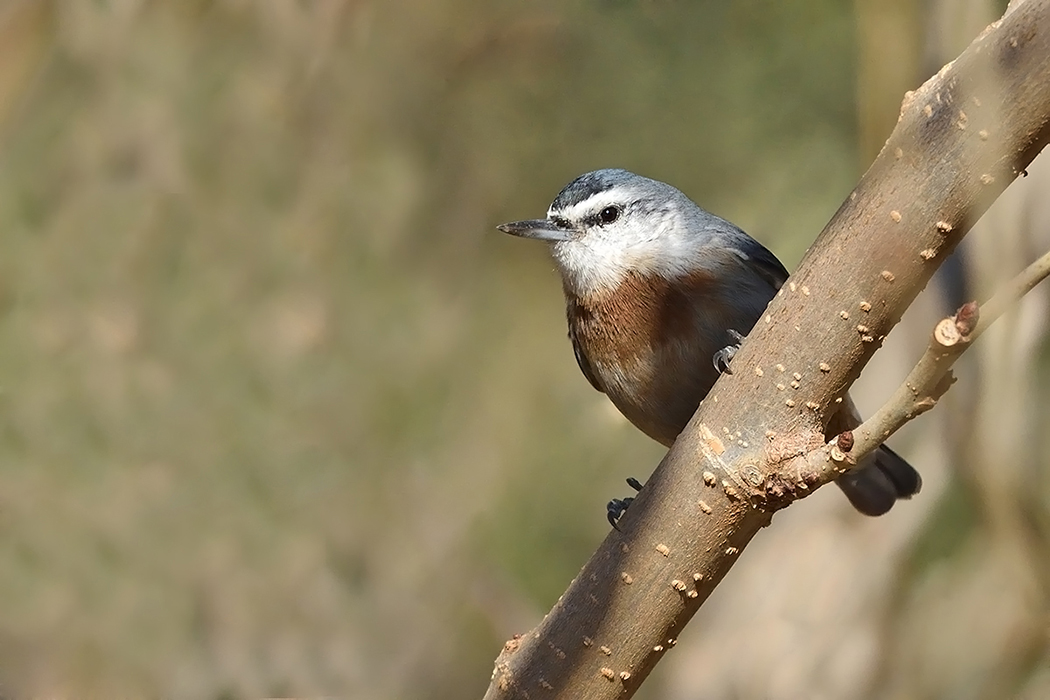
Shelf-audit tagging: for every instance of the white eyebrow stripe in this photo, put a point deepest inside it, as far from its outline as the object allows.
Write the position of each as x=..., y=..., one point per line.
x=596, y=202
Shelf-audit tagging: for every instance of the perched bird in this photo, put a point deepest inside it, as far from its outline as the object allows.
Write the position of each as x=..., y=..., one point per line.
x=658, y=294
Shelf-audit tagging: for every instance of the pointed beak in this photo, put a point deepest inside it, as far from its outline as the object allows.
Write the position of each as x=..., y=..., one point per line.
x=540, y=229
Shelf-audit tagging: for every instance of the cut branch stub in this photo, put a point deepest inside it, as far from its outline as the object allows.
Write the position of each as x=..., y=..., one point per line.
x=958, y=328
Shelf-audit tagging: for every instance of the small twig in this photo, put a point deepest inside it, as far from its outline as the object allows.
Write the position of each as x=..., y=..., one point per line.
x=932, y=376
x=1012, y=292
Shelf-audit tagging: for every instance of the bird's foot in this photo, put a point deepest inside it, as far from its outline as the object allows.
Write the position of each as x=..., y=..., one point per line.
x=723, y=357
x=618, y=506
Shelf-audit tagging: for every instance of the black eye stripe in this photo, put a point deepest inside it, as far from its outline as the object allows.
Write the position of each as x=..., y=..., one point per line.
x=606, y=215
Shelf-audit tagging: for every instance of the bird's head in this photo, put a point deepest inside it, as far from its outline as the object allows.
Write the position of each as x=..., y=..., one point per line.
x=609, y=223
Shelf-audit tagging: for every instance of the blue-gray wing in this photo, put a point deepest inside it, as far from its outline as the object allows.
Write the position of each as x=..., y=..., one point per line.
x=756, y=256
x=767, y=266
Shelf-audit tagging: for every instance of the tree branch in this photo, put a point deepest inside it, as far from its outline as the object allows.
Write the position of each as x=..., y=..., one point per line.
x=961, y=139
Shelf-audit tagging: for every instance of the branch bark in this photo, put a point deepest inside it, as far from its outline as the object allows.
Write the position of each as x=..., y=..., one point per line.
x=961, y=139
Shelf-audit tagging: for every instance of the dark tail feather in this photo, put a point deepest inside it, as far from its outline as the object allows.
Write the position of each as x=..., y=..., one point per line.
x=874, y=487
x=905, y=478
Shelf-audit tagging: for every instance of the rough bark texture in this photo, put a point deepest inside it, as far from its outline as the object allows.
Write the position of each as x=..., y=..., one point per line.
x=961, y=139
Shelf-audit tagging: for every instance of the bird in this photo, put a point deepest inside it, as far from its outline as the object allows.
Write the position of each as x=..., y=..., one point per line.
x=658, y=295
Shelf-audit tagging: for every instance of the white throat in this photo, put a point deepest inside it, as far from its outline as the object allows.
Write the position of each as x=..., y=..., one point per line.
x=598, y=261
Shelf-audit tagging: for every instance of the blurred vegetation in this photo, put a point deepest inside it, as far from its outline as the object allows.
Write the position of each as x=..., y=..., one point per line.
x=280, y=412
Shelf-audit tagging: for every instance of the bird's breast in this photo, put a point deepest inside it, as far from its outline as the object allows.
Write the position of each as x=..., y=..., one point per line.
x=648, y=344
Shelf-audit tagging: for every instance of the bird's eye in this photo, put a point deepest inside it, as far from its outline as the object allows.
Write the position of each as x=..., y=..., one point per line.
x=609, y=214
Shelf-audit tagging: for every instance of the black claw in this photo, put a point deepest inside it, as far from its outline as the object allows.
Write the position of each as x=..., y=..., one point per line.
x=618, y=506
x=723, y=357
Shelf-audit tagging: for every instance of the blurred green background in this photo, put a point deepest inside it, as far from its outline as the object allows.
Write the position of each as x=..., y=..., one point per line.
x=281, y=413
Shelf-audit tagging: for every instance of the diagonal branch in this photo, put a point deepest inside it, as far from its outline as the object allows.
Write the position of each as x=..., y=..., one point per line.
x=961, y=139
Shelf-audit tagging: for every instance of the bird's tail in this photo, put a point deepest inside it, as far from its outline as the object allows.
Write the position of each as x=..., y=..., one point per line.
x=875, y=486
